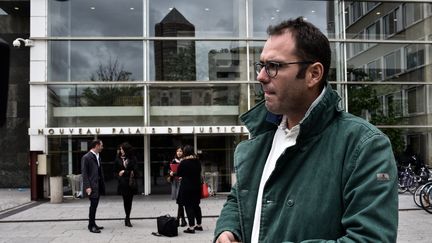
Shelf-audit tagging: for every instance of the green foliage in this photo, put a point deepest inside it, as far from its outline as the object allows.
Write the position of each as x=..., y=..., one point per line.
x=364, y=98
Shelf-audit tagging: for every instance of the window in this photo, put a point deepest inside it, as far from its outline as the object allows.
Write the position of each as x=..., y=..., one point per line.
x=374, y=70
x=394, y=104
x=357, y=10
x=373, y=33
x=392, y=63
x=393, y=22
x=415, y=100
x=415, y=55
x=412, y=13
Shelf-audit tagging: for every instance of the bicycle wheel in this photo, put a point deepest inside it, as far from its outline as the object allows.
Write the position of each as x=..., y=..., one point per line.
x=401, y=189
x=416, y=195
x=425, y=199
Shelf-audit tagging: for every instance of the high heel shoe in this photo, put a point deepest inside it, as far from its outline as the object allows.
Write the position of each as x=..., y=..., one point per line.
x=128, y=223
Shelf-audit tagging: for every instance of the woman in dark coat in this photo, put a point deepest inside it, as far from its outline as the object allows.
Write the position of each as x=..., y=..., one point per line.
x=126, y=172
x=190, y=188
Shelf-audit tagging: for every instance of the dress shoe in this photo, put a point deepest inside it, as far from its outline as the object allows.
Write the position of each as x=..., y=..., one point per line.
x=99, y=227
x=128, y=223
x=189, y=231
x=93, y=229
x=198, y=228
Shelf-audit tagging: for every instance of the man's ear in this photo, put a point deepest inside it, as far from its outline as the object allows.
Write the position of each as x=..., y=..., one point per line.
x=314, y=74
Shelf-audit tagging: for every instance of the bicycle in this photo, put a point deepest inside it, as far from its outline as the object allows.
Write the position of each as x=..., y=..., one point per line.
x=408, y=180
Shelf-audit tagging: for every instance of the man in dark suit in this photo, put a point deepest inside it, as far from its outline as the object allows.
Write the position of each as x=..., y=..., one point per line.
x=93, y=181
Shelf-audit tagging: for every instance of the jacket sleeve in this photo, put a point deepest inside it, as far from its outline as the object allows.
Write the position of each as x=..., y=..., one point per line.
x=229, y=217
x=85, y=172
x=370, y=194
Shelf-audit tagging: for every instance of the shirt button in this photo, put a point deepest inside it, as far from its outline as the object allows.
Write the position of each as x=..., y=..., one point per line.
x=290, y=203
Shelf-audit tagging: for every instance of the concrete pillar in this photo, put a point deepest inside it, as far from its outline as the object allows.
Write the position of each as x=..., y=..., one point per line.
x=56, y=189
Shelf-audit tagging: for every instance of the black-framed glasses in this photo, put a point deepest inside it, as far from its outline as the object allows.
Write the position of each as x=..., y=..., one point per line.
x=272, y=68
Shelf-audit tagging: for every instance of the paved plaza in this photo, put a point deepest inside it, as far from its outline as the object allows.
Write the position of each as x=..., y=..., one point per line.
x=24, y=221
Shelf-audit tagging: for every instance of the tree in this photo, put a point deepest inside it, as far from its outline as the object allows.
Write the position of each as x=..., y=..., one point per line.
x=111, y=95
x=364, y=99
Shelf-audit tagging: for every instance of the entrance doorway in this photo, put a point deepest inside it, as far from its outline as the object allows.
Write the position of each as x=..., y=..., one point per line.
x=162, y=151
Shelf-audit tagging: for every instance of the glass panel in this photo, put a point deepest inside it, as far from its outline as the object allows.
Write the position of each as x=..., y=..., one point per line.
x=216, y=154
x=391, y=62
x=271, y=12
x=95, y=106
x=412, y=13
x=197, y=60
x=199, y=18
x=95, y=18
x=95, y=60
x=390, y=104
x=191, y=105
x=396, y=19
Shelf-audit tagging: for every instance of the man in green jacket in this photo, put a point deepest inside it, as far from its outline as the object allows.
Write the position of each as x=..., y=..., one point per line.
x=310, y=172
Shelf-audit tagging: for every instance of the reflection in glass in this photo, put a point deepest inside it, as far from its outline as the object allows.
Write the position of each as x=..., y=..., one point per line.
x=95, y=18
x=198, y=60
x=175, y=59
x=82, y=60
x=223, y=18
x=215, y=105
x=265, y=13
x=387, y=20
x=84, y=105
x=390, y=62
x=390, y=104
x=393, y=105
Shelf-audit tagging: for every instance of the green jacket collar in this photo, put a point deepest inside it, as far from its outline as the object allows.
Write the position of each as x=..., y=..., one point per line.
x=259, y=120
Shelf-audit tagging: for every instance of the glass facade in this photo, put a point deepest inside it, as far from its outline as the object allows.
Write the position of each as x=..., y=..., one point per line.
x=144, y=63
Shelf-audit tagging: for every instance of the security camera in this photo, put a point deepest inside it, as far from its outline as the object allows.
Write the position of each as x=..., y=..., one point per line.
x=17, y=42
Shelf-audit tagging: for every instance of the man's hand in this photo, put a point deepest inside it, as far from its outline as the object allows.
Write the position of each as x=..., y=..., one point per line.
x=226, y=237
x=88, y=191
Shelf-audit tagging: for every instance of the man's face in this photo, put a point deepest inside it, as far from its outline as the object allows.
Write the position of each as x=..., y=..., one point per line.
x=284, y=93
x=99, y=147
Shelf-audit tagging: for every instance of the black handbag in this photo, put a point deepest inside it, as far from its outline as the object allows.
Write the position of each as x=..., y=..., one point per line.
x=167, y=225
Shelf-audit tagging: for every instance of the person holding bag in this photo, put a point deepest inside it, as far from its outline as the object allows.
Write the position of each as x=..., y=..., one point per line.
x=190, y=188
x=126, y=172
x=175, y=185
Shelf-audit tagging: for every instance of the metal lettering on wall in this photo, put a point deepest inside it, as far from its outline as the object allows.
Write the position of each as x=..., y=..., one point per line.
x=137, y=130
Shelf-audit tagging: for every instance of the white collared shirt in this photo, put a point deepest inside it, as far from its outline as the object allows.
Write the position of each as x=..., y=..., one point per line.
x=97, y=156
x=283, y=139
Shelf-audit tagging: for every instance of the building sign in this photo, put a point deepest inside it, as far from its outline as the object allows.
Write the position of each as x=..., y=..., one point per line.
x=138, y=130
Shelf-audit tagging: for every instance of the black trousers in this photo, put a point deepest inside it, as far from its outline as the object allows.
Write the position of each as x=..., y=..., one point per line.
x=92, y=211
x=193, y=212
x=180, y=212
x=127, y=203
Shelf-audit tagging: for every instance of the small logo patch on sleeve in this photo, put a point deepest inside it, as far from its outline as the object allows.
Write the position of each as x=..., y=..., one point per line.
x=383, y=177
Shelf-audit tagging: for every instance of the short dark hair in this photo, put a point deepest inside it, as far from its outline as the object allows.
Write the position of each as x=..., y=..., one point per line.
x=188, y=150
x=311, y=44
x=94, y=143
